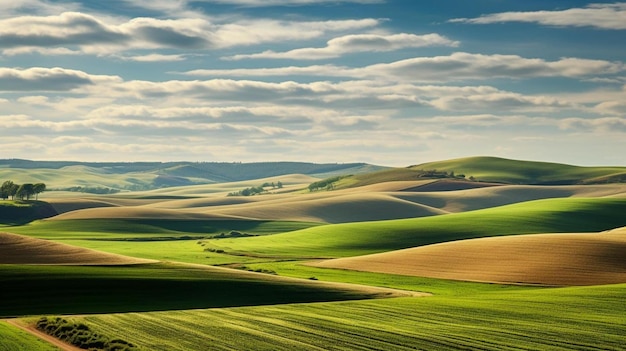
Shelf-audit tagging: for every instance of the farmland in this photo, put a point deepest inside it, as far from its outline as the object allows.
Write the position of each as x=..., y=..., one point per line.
x=382, y=260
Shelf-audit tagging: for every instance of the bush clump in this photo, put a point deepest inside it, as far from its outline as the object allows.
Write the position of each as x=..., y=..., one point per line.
x=79, y=335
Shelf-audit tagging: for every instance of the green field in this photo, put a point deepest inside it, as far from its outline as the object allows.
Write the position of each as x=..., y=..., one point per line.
x=554, y=319
x=352, y=239
x=32, y=290
x=151, y=229
x=13, y=339
x=494, y=169
x=182, y=303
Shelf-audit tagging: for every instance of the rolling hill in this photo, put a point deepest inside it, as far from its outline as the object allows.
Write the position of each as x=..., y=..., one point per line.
x=352, y=239
x=494, y=169
x=94, y=177
x=545, y=259
x=19, y=249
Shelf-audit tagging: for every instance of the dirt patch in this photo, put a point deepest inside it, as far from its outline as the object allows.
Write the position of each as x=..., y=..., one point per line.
x=543, y=259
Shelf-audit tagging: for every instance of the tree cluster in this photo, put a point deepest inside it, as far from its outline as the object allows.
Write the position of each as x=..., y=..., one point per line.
x=257, y=189
x=21, y=191
x=327, y=183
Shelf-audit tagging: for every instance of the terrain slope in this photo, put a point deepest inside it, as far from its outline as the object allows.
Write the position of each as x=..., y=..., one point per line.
x=546, y=259
x=19, y=249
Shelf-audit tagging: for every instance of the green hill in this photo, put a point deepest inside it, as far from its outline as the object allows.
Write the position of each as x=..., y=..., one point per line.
x=92, y=177
x=352, y=239
x=493, y=169
x=45, y=289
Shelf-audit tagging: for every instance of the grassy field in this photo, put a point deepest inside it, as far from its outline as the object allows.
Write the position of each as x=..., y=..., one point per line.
x=352, y=239
x=151, y=229
x=13, y=339
x=185, y=306
x=520, y=319
x=493, y=169
x=33, y=290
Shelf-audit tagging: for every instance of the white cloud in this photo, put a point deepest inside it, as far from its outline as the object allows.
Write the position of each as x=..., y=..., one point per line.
x=606, y=124
x=262, y=3
x=248, y=32
x=315, y=70
x=181, y=7
x=39, y=7
x=41, y=51
x=461, y=65
x=155, y=58
x=49, y=79
x=500, y=101
x=34, y=100
x=603, y=16
x=355, y=43
x=74, y=32
x=458, y=66
x=612, y=107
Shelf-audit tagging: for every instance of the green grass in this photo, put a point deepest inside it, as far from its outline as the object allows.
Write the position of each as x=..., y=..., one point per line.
x=78, y=176
x=36, y=290
x=439, y=287
x=351, y=239
x=555, y=319
x=164, y=250
x=387, y=175
x=13, y=339
x=143, y=229
x=523, y=172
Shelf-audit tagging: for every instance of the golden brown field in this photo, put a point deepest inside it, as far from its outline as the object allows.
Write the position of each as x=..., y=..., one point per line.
x=19, y=249
x=544, y=259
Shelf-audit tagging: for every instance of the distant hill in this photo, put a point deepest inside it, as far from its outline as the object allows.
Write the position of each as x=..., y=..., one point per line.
x=494, y=169
x=99, y=177
x=471, y=172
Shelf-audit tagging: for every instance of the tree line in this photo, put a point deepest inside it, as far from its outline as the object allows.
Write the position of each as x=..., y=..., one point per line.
x=257, y=189
x=21, y=191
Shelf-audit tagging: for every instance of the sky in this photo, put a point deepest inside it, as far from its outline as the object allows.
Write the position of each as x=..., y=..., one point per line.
x=387, y=82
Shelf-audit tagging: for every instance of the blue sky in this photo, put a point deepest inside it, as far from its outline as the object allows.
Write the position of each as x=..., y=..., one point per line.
x=380, y=81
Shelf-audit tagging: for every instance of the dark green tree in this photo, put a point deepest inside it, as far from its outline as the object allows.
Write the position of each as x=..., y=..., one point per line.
x=38, y=188
x=25, y=191
x=8, y=189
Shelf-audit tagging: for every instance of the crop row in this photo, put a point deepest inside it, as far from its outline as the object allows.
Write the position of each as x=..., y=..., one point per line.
x=531, y=319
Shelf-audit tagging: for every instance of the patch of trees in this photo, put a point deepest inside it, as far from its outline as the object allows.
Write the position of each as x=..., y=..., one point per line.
x=79, y=334
x=257, y=189
x=22, y=192
x=91, y=190
x=232, y=234
x=327, y=183
x=433, y=173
